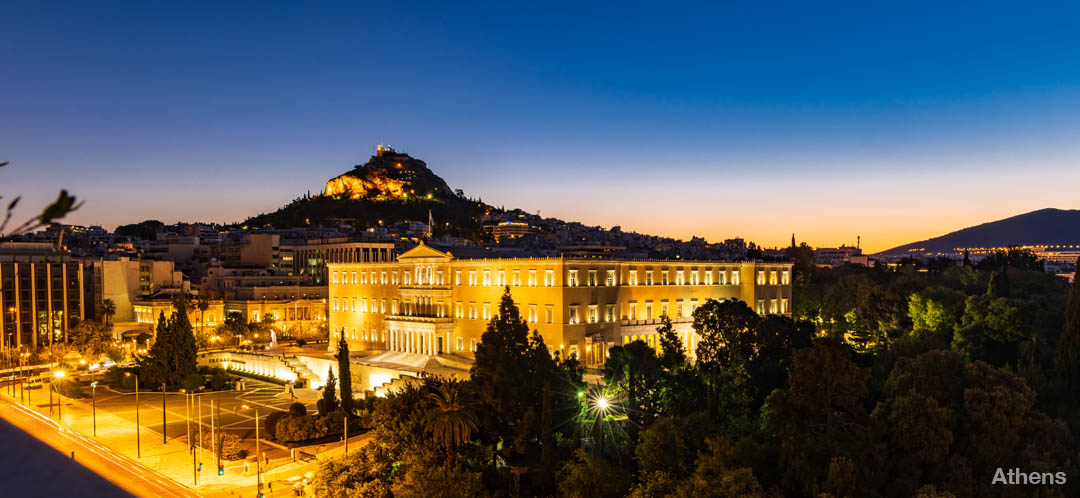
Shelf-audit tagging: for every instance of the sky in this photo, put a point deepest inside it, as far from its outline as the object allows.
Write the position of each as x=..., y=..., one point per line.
x=888, y=122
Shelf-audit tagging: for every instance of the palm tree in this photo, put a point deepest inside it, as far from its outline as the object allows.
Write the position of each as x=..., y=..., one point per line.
x=202, y=304
x=450, y=421
x=108, y=308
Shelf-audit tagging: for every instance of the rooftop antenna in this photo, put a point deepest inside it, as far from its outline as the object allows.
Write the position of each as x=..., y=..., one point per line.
x=858, y=240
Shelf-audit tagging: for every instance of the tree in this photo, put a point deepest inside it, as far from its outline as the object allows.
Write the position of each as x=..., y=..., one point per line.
x=949, y=423
x=525, y=398
x=108, y=309
x=423, y=480
x=193, y=381
x=635, y=370
x=1067, y=356
x=450, y=421
x=202, y=304
x=718, y=474
x=363, y=473
x=723, y=327
x=173, y=354
x=91, y=338
x=999, y=283
x=345, y=370
x=588, y=477
x=233, y=328
x=821, y=416
x=329, y=401
x=992, y=328
x=935, y=312
x=673, y=354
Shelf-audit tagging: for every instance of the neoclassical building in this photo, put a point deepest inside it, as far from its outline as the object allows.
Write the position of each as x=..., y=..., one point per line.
x=429, y=301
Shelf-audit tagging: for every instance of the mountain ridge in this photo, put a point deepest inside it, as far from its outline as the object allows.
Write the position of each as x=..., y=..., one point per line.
x=1047, y=226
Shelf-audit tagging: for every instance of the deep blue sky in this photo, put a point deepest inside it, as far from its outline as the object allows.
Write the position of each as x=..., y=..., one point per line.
x=894, y=122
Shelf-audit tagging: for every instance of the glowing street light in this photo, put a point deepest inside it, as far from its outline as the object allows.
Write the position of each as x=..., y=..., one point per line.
x=602, y=402
x=59, y=374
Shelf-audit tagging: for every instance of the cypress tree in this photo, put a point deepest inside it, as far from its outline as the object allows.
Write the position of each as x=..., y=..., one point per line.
x=346, y=377
x=185, y=350
x=154, y=367
x=999, y=283
x=1067, y=358
x=329, y=401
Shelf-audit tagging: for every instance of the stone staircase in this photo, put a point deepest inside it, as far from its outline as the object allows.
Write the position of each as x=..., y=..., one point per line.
x=303, y=372
x=395, y=384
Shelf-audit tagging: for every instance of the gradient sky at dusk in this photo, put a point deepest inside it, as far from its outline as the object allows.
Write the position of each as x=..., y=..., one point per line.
x=893, y=122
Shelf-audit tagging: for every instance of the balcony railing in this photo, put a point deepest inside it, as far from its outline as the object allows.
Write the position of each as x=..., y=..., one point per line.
x=422, y=319
x=655, y=321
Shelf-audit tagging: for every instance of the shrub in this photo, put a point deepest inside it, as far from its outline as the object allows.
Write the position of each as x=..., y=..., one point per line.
x=297, y=409
x=217, y=381
x=193, y=382
x=113, y=376
x=294, y=428
x=270, y=425
x=323, y=406
x=127, y=381
x=230, y=445
x=332, y=424
x=68, y=387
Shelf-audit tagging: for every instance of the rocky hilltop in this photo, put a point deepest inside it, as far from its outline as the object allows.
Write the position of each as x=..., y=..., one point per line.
x=390, y=187
x=389, y=175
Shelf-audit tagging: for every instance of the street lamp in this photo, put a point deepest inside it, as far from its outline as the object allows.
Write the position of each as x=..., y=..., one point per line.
x=164, y=438
x=59, y=374
x=138, y=444
x=93, y=389
x=602, y=403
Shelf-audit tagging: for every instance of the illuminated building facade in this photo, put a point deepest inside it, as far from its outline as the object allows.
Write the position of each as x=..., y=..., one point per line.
x=309, y=259
x=510, y=230
x=41, y=295
x=432, y=302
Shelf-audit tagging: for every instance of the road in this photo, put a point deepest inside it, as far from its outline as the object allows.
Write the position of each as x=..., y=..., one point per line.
x=116, y=468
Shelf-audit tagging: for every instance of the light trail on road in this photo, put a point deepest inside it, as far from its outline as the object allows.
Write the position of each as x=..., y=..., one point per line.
x=118, y=469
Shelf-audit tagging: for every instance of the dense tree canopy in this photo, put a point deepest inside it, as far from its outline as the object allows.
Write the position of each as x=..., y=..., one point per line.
x=912, y=381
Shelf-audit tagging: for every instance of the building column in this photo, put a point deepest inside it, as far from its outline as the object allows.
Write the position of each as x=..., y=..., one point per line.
x=18, y=307
x=33, y=308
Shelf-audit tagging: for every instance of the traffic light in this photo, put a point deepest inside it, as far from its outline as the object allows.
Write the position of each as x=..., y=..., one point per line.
x=220, y=470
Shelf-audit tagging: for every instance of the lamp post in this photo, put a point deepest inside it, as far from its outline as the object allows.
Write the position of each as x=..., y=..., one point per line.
x=138, y=444
x=58, y=375
x=93, y=389
x=163, y=437
x=258, y=458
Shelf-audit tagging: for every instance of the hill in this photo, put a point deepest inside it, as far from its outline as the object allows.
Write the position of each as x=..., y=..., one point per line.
x=390, y=187
x=1038, y=228
x=389, y=175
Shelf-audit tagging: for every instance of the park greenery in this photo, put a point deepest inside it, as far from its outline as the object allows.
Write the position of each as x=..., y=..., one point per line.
x=887, y=382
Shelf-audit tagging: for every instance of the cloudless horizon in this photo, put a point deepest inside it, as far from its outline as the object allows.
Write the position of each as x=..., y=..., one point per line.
x=895, y=123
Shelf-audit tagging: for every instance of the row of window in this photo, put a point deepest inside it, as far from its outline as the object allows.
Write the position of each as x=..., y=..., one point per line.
x=429, y=276
x=773, y=306
x=482, y=311
x=363, y=334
